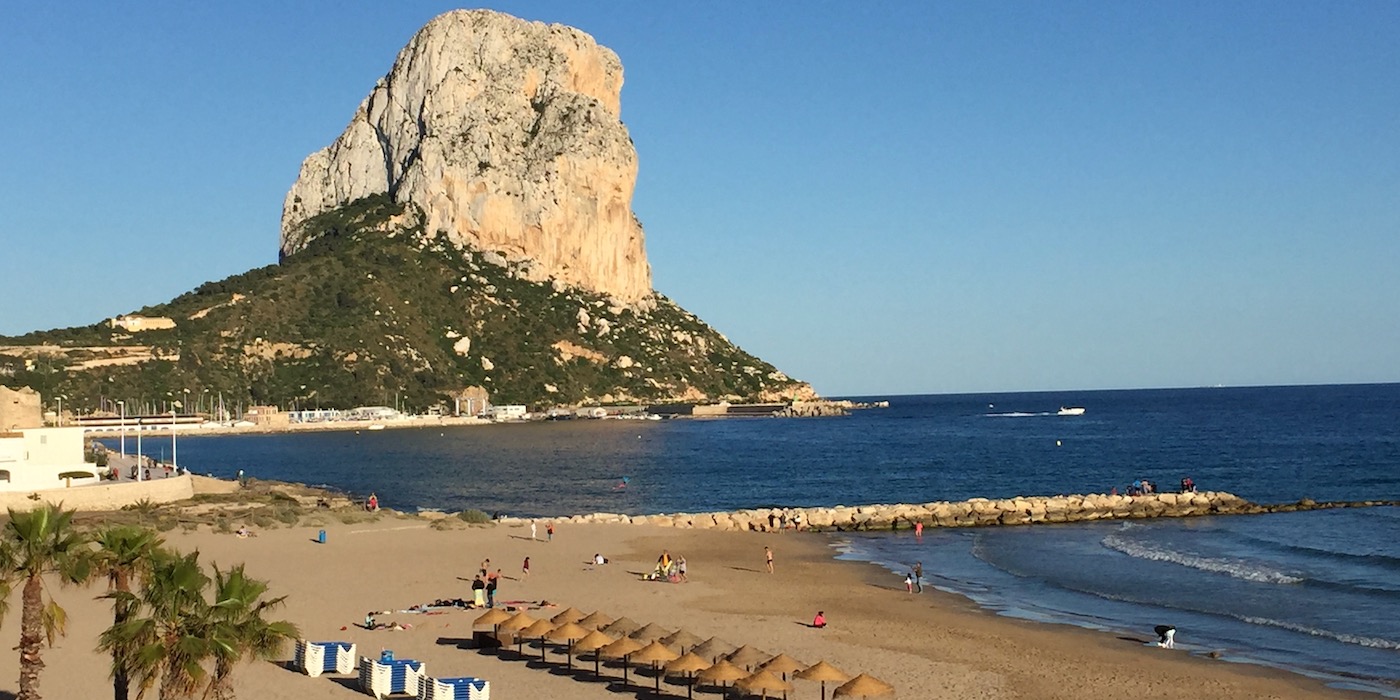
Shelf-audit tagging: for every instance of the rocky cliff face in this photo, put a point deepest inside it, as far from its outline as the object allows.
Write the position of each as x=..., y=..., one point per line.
x=506, y=135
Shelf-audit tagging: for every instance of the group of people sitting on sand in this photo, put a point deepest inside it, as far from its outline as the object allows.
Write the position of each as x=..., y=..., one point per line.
x=668, y=569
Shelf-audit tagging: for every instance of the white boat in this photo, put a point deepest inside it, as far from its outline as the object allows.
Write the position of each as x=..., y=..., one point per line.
x=1071, y=411
x=375, y=426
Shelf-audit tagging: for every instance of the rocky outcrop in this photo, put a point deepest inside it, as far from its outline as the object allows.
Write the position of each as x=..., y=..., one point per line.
x=506, y=135
x=975, y=512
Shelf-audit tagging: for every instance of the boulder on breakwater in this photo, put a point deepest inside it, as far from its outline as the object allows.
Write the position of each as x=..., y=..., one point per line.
x=975, y=512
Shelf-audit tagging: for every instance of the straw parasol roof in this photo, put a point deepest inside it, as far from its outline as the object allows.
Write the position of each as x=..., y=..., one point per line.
x=650, y=633
x=518, y=621
x=764, y=683
x=652, y=653
x=722, y=672
x=688, y=663
x=622, y=626
x=782, y=664
x=592, y=641
x=822, y=671
x=567, y=615
x=863, y=686
x=621, y=649
x=682, y=639
x=494, y=616
x=539, y=630
x=596, y=620
x=624, y=646
x=748, y=657
x=656, y=651
x=713, y=648
x=569, y=632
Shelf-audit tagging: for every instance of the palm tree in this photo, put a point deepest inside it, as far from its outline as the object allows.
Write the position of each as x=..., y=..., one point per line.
x=169, y=642
x=125, y=553
x=42, y=542
x=239, y=630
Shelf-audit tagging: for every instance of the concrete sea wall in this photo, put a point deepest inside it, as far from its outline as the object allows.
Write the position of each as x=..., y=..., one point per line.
x=1021, y=510
x=103, y=496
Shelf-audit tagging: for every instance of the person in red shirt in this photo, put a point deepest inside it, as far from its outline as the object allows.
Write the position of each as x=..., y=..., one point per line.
x=819, y=620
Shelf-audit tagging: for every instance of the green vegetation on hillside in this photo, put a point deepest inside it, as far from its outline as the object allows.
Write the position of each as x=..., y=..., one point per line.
x=370, y=313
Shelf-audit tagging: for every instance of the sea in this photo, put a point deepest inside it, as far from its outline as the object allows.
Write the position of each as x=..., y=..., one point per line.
x=1315, y=592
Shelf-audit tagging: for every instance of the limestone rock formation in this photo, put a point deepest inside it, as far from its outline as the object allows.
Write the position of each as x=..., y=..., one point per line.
x=506, y=134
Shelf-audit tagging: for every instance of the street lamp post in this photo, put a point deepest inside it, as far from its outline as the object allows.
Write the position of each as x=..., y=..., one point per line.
x=58, y=419
x=122, y=447
x=174, y=463
x=139, y=470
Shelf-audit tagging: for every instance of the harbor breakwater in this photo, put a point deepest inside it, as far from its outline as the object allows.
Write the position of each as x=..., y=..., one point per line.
x=975, y=512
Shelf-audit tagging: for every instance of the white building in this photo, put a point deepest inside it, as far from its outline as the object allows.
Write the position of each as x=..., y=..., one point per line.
x=512, y=412
x=33, y=458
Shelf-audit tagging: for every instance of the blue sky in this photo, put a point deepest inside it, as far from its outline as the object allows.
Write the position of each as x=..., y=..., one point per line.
x=877, y=197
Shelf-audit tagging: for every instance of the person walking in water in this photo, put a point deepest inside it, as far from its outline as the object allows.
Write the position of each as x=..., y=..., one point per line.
x=768, y=554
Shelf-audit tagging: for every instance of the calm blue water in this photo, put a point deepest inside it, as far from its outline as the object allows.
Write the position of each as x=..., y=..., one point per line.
x=1317, y=592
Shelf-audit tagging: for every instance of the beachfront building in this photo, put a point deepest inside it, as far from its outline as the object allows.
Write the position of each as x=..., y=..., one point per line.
x=32, y=459
x=373, y=413
x=20, y=408
x=511, y=412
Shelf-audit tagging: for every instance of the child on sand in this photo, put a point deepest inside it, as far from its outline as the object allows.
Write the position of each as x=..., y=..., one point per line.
x=525, y=568
x=820, y=620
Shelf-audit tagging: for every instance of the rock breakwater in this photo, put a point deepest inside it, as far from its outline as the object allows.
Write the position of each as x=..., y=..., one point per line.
x=975, y=512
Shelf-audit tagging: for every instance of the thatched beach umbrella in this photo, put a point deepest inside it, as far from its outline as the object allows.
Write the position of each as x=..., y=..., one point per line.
x=713, y=648
x=763, y=683
x=621, y=627
x=593, y=641
x=493, y=617
x=539, y=630
x=782, y=664
x=650, y=633
x=863, y=686
x=748, y=657
x=822, y=672
x=621, y=649
x=596, y=620
x=653, y=653
x=681, y=640
x=567, y=615
x=687, y=664
x=721, y=674
x=517, y=622
x=569, y=632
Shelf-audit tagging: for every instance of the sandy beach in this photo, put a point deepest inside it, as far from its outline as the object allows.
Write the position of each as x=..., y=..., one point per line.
x=931, y=645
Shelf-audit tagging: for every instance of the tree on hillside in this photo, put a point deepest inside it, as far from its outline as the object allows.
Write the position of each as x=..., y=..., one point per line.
x=39, y=543
x=125, y=555
x=239, y=630
x=169, y=638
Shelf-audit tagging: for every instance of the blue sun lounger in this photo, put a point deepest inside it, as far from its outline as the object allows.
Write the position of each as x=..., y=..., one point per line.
x=453, y=688
x=315, y=658
x=382, y=678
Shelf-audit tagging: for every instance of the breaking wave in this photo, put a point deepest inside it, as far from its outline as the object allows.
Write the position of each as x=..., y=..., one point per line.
x=1373, y=642
x=1237, y=568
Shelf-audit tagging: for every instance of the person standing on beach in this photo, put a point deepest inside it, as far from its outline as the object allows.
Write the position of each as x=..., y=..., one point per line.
x=549, y=531
x=909, y=583
x=525, y=568
x=492, y=580
x=532, y=529
x=768, y=554
x=918, y=577
x=680, y=569
x=485, y=566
